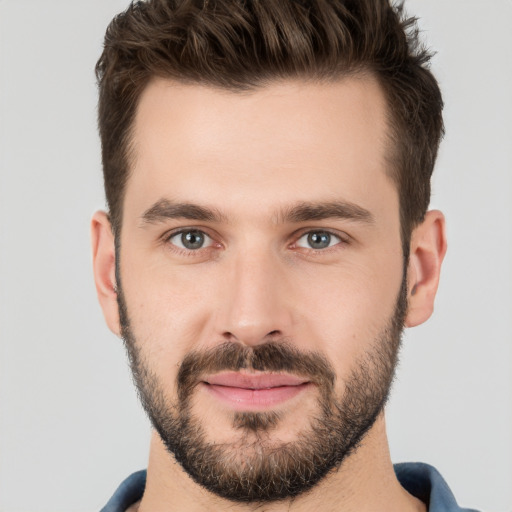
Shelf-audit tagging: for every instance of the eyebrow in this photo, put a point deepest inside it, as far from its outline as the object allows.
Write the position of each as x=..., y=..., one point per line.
x=165, y=209
x=310, y=211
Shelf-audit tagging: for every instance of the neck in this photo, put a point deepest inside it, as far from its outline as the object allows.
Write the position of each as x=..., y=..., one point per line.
x=365, y=482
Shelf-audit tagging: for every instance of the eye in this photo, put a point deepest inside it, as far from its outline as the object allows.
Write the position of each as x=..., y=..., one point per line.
x=191, y=240
x=318, y=240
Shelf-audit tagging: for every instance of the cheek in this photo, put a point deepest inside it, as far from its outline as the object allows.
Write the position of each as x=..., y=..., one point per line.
x=167, y=314
x=346, y=312
x=338, y=310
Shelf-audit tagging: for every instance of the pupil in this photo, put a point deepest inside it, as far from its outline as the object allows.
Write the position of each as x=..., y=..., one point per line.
x=319, y=240
x=192, y=239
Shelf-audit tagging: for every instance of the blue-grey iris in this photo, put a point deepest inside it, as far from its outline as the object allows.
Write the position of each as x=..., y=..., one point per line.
x=319, y=239
x=192, y=239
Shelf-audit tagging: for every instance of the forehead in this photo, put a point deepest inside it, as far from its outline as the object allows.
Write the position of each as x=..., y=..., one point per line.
x=295, y=140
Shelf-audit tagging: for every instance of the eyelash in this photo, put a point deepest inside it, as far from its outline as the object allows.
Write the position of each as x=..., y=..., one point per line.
x=342, y=237
x=183, y=251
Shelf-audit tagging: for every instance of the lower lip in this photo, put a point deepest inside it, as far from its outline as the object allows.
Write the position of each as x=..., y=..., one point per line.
x=243, y=399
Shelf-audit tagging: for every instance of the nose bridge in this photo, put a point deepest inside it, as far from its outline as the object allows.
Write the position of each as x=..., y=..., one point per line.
x=255, y=306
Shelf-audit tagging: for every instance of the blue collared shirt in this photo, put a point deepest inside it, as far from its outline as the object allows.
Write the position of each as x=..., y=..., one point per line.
x=420, y=480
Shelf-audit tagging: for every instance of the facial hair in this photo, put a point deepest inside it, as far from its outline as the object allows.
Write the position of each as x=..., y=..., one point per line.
x=253, y=467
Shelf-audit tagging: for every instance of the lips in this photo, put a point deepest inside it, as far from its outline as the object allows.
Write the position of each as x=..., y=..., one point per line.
x=242, y=391
x=254, y=381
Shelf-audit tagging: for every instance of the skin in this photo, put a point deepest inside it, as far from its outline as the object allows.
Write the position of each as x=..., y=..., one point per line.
x=253, y=157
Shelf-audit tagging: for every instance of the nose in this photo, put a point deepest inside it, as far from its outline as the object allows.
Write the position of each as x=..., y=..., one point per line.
x=256, y=300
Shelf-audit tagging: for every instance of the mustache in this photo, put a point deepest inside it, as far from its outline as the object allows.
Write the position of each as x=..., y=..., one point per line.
x=274, y=356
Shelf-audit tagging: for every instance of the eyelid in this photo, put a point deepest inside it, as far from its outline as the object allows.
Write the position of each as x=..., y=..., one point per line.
x=167, y=237
x=343, y=238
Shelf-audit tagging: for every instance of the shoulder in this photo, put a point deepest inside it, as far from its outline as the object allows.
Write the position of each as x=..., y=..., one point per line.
x=128, y=493
x=427, y=484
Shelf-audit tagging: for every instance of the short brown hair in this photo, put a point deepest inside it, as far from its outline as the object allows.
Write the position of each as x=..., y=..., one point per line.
x=241, y=45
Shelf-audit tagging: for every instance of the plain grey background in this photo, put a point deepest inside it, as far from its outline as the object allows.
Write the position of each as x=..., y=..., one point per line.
x=70, y=425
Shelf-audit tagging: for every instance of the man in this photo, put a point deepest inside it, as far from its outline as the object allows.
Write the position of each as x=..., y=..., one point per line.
x=267, y=169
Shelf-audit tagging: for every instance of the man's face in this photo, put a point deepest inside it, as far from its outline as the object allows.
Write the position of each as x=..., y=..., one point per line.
x=261, y=278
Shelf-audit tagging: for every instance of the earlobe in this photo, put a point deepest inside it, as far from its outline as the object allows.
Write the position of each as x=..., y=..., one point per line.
x=104, y=268
x=428, y=247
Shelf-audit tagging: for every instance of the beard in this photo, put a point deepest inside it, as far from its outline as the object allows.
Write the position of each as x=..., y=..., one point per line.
x=253, y=467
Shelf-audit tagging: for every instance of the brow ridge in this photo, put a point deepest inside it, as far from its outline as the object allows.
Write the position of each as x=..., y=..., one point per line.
x=165, y=209
x=304, y=211
x=312, y=211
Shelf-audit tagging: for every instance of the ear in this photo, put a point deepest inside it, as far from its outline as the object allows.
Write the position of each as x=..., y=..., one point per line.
x=428, y=247
x=104, y=268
